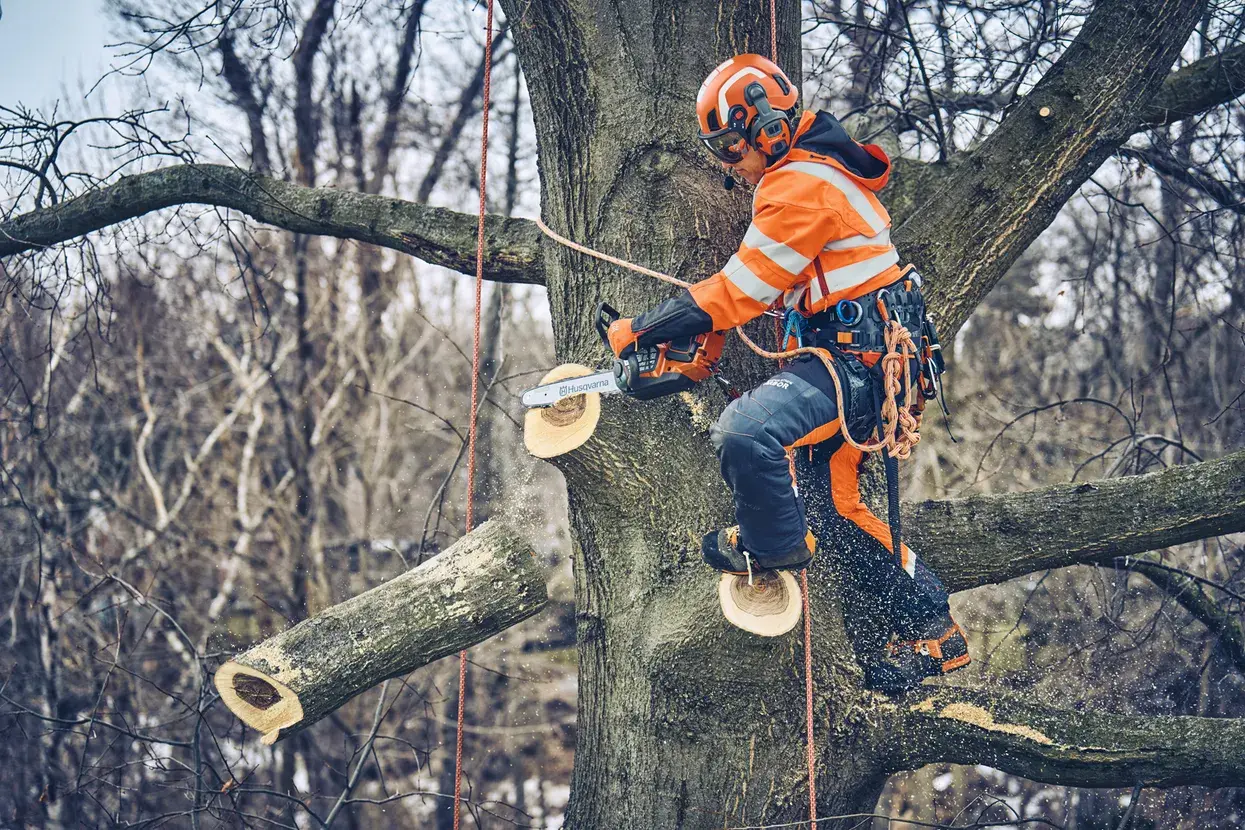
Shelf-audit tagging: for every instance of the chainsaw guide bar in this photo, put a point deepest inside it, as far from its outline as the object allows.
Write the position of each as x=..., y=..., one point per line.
x=550, y=393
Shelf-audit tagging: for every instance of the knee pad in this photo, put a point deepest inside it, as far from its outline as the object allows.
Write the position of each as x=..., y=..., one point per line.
x=725, y=435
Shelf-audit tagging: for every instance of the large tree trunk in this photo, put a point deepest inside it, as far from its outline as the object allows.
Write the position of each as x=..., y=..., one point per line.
x=683, y=721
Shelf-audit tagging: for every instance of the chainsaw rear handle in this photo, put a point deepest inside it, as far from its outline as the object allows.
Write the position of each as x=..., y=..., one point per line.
x=606, y=314
x=669, y=367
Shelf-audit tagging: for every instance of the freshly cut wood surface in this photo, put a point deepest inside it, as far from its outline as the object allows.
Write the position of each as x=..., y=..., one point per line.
x=484, y=583
x=556, y=430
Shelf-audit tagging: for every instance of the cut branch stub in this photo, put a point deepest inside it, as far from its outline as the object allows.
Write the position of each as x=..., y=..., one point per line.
x=259, y=700
x=486, y=582
x=556, y=430
x=766, y=603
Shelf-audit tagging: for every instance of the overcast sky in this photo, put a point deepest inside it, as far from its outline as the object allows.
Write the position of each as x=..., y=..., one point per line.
x=47, y=46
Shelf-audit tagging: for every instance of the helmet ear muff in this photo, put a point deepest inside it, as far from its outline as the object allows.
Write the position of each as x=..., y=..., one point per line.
x=770, y=130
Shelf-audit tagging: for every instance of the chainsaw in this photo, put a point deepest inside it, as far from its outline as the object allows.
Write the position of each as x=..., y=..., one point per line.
x=644, y=374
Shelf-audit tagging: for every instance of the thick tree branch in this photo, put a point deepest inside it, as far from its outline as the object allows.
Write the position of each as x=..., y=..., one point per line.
x=1188, y=92
x=969, y=231
x=1196, y=88
x=1061, y=746
x=484, y=583
x=435, y=235
x=985, y=539
x=1168, y=166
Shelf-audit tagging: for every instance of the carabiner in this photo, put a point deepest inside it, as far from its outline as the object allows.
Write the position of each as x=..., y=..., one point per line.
x=796, y=326
x=849, y=312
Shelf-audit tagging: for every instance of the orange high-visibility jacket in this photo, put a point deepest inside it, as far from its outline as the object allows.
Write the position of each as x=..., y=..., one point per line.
x=818, y=235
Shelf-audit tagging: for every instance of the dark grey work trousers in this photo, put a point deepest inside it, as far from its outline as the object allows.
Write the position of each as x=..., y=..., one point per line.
x=786, y=419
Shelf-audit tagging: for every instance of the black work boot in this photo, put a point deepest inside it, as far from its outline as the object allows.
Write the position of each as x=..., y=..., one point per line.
x=722, y=551
x=903, y=664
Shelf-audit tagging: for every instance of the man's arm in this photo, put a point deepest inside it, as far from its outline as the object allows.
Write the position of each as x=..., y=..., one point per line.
x=780, y=243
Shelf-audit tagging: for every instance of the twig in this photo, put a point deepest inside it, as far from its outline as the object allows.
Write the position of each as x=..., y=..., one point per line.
x=377, y=717
x=1132, y=806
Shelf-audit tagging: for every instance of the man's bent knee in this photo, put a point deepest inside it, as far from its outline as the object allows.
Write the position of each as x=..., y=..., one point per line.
x=733, y=434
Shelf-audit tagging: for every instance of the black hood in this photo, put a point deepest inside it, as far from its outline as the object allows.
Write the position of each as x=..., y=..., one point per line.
x=826, y=137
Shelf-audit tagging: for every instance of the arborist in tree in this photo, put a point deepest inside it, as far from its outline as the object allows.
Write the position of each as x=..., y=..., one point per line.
x=820, y=242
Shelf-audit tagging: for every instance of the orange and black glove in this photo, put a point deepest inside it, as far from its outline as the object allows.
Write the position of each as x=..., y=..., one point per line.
x=622, y=338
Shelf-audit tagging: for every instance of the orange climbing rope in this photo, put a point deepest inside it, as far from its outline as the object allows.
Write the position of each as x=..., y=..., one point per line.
x=475, y=394
x=808, y=617
x=773, y=30
x=808, y=702
x=900, y=432
x=773, y=55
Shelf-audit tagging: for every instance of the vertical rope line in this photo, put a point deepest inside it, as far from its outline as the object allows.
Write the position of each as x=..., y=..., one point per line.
x=773, y=30
x=475, y=391
x=779, y=343
x=475, y=340
x=808, y=620
x=808, y=703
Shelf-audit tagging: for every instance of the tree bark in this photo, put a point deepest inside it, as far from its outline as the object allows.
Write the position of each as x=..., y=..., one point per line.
x=981, y=540
x=435, y=235
x=1061, y=746
x=484, y=583
x=1196, y=88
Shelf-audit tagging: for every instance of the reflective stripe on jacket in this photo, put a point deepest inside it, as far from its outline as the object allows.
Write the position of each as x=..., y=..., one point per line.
x=818, y=235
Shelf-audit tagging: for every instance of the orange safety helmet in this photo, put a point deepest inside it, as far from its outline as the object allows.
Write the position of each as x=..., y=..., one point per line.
x=746, y=99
